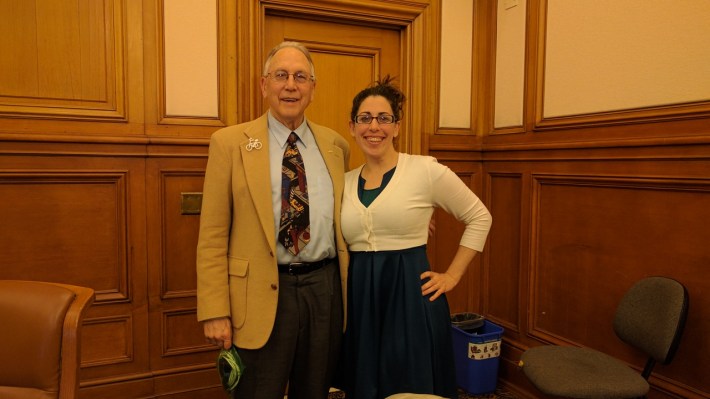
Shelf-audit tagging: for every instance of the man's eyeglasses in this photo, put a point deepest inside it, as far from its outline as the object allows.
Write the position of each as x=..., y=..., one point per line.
x=282, y=76
x=382, y=119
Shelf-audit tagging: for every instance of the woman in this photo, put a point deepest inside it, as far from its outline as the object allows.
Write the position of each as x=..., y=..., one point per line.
x=399, y=329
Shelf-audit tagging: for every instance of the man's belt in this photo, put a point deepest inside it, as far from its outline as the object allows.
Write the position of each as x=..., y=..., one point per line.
x=297, y=268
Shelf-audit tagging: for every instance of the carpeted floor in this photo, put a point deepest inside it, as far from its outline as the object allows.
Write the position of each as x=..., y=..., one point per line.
x=498, y=394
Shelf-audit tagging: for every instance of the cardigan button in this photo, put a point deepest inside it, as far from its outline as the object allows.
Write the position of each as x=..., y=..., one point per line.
x=274, y=287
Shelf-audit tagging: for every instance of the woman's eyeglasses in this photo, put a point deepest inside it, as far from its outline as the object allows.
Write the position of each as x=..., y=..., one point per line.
x=382, y=119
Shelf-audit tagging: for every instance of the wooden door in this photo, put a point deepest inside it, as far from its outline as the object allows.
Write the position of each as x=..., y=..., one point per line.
x=347, y=58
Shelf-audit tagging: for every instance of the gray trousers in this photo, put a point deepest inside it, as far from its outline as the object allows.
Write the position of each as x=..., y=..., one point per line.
x=304, y=346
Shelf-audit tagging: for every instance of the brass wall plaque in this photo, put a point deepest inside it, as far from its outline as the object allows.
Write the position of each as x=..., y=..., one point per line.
x=190, y=203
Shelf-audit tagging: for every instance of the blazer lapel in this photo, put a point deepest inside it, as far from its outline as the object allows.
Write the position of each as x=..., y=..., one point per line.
x=256, y=169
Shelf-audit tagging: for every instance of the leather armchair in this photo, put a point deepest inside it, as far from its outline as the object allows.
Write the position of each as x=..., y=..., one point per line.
x=40, y=338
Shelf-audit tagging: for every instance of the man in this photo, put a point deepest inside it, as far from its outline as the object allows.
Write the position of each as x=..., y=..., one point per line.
x=282, y=307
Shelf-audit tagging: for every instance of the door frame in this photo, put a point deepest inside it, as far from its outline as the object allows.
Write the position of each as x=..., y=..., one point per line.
x=416, y=21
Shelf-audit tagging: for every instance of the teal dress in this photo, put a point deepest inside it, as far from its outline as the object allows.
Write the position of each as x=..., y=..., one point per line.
x=397, y=340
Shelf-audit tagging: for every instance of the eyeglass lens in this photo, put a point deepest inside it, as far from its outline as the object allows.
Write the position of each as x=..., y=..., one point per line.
x=298, y=77
x=382, y=119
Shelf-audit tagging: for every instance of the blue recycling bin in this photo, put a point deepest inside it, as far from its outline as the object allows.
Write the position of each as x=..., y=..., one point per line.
x=477, y=355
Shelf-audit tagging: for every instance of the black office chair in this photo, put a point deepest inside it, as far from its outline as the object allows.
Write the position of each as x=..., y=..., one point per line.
x=650, y=317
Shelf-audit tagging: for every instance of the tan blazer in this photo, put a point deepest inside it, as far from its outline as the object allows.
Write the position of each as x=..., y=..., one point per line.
x=236, y=252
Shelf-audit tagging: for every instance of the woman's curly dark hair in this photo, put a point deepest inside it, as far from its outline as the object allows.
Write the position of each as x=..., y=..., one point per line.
x=384, y=88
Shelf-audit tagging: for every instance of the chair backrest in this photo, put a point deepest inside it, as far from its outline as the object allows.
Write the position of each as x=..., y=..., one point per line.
x=651, y=317
x=40, y=340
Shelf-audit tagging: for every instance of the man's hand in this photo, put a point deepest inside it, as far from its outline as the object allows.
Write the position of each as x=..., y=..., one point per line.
x=218, y=332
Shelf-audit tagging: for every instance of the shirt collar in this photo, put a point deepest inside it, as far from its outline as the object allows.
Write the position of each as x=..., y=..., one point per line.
x=280, y=132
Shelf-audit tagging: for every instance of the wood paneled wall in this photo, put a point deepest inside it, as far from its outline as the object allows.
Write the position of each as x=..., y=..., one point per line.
x=108, y=216
x=91, y=183
x=576, y=228
x=584, y=205
x=92, y=175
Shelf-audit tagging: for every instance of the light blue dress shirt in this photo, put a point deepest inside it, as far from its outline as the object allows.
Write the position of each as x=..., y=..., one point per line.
x=320, y=192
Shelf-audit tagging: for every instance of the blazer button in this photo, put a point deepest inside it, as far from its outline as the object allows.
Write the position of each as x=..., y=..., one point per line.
x=274, y=287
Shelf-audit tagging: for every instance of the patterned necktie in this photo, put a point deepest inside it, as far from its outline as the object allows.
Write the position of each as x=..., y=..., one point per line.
x=294, y=231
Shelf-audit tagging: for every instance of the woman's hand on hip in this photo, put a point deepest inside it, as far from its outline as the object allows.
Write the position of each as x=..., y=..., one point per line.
x=439, y=283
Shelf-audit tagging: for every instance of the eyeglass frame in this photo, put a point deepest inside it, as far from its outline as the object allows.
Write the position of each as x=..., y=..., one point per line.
x=378, y=118
x=283, y=79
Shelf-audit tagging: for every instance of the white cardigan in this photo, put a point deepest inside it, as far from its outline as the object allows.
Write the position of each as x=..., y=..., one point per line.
x=399, y=217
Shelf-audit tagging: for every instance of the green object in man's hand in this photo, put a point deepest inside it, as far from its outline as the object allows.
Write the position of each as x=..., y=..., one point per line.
x=230, y=368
